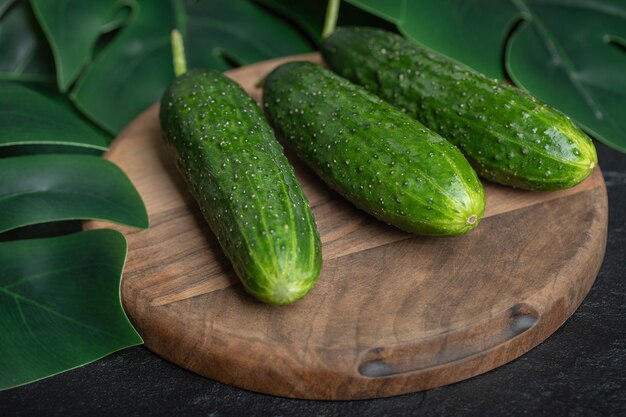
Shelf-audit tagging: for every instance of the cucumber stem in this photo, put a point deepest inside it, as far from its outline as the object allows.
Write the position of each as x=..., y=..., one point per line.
x=178, y=53
x=332, y=13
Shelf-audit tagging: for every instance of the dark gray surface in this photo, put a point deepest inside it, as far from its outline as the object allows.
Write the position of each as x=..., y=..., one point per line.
x=578, y=371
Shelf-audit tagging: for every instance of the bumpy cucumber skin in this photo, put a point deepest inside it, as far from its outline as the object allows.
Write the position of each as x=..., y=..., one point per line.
x=244, y=185
x=380, y=159
x=507, y=135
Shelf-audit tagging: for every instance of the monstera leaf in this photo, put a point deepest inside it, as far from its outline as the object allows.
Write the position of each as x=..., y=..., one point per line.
x=24, y=53
x=59, y=297
x=42, y=188
x=219, y=34
x=570, y=54
x=310, y=15
x=73, y=27
x=132, y=71
x=60, y=305
x=4, y=5
x=30, y=116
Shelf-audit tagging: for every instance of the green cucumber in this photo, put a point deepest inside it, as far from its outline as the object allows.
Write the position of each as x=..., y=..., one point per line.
x=380, y=159
x=246, y=189
x=505, y=133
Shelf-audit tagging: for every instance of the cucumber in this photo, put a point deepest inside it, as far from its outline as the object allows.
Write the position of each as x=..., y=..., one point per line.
x=380, y=159
x=507, y=135
x=246, y=189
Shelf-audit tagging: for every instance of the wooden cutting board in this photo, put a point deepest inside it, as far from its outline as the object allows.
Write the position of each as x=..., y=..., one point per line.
x=392, y=313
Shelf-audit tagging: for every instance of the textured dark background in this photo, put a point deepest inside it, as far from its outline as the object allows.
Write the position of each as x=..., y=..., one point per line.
x=578, y=371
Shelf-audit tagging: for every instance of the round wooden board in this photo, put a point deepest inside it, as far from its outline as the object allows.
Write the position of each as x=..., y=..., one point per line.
x=392, y=312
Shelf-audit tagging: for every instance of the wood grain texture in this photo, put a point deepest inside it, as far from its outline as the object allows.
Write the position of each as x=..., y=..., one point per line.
x=392, y=312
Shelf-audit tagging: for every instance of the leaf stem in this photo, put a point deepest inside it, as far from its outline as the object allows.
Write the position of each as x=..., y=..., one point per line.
x=178, y=53
x=332, y=13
